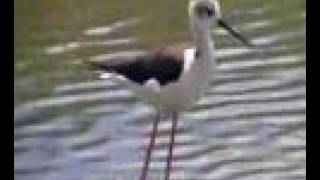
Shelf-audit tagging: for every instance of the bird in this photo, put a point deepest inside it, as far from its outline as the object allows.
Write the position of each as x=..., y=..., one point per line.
x=172, y=78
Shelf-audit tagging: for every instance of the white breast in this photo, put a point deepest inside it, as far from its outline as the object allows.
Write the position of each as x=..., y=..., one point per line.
x=191, y=85
x=189, y=59
x=184, y=92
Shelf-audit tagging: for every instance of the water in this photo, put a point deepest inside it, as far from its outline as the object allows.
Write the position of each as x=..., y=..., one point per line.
x=251, y=124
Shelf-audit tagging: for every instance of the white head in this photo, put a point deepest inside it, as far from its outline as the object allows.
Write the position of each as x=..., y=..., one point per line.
x=203, y=15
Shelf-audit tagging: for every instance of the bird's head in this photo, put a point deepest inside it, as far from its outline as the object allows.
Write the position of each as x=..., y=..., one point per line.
x=205, y=13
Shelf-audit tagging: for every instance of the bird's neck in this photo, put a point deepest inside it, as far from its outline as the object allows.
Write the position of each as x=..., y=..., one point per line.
x=202, y=39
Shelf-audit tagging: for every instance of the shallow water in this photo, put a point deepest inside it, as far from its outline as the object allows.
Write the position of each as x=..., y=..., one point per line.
x=251, y=123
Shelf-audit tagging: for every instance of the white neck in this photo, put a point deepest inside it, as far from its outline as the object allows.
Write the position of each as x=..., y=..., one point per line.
x=202, y=38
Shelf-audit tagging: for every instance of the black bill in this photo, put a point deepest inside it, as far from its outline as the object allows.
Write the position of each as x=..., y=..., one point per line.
x=233, y=32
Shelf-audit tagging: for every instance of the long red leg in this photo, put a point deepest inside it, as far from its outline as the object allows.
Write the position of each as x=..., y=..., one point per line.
x=171, y=145
x=144, y=171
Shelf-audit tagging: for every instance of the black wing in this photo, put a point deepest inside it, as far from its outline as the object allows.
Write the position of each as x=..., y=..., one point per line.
x=164, y=64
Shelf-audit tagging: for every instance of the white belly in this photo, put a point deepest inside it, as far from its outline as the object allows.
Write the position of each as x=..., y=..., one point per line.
x=187, y=90
x=183, y=93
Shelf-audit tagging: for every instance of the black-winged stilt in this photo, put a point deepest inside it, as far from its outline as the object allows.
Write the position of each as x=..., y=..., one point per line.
x=172, y=78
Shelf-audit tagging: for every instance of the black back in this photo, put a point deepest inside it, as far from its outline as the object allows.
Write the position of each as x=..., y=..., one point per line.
x=163, y=64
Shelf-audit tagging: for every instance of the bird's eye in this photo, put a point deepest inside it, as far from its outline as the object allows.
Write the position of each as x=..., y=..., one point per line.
x=204, y=11
x=210, y=12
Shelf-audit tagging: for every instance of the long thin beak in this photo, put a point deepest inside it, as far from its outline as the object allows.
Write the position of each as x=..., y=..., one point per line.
x=234, y=33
